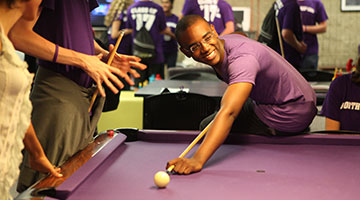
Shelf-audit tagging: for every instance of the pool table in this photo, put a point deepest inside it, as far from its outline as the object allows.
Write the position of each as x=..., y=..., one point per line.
x=246, y=167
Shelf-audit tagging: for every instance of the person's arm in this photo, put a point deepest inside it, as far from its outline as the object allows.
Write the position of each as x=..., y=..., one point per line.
x=167, y=31
x=229, y=28
x=315, y=29
x=115, y=29
x=290, y=38
x=37, y=157
x=37, y=46
x=331, y=125
x=122, y=62
x=231, y=105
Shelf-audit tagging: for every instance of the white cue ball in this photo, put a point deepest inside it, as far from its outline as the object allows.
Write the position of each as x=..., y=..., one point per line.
x=161, y=179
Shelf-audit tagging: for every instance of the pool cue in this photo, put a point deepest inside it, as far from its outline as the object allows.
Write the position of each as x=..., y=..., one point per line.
x=279, y=37
x=112, y=55
x=196, y=140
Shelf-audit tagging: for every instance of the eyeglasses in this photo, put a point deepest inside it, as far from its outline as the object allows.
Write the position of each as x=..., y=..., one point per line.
x=206, y=40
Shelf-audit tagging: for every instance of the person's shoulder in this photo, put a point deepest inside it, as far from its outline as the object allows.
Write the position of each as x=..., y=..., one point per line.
x=319, y=4
x=223, y=3
x=288, y=3
x=232, y=36
x=341, y=81
x=234, y=41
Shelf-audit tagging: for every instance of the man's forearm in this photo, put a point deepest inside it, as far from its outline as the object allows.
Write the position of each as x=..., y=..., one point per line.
x=314, y=29
x=35, y=45
x=229, y=28
x=290, y=38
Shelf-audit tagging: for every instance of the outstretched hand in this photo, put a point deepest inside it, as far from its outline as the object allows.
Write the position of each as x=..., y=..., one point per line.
x=42, y=164
x=121, y=65
x=185, y=165
x=125, y=64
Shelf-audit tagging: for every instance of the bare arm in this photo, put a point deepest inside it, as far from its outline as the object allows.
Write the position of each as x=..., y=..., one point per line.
x=115, y=29
x=231, y=105
x=229, y=28
x=314, y=29
x=37, y=46
x=38, y=159
x=331, y=125
x=167, y=31
x=290, y=38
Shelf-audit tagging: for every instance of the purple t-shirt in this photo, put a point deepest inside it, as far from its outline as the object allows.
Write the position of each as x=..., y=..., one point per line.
x=342, y=103
x=125, y=46
x=67, y=23
x=216, y=12
x=284, y=100
x=170, y=44
x=152, y=16
x=312, y=12
x=289, y=18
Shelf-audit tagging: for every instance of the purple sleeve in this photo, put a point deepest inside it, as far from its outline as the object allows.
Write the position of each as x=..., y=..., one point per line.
x=188, y=6
x=162, y=20
x=128, y=22
x=226, y=12
x=121, y=16
x=332, y=103
x=292, y=17
x=243, y=69
x=321, y=13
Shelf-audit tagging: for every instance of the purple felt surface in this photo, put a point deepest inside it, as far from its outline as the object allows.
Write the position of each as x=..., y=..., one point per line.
x=251, y=171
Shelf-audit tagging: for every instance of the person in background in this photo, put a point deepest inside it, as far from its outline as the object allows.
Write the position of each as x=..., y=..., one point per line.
x=16, y=129
x=291, y=32
x=145, y=14
x=341, y=107
x=169, y=44
x=117, y=19
x=71, y=62
x=217, y=12
x=265, y=94
x=314, y=17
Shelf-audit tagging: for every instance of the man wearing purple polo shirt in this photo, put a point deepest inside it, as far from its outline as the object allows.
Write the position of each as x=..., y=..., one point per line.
x=217, y=12
x=291, y=31
x=150, y=15
x=68, y=68
x=314, y=18
x=265, y=94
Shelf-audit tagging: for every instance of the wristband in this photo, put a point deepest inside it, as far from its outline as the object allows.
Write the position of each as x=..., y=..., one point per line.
x=56, y=53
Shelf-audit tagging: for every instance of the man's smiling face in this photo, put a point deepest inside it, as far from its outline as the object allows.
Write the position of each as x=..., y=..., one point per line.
x=200, y=41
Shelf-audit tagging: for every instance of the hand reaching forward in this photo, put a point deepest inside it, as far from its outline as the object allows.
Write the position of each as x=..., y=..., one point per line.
x=101, y=72
x=185, y=165
x=125, y=63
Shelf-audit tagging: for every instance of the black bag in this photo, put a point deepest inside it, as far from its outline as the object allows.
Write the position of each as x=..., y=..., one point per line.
x=144, y=47
x=269, y=34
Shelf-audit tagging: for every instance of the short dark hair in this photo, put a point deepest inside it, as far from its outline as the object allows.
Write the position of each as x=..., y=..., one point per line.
x=186, y=22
